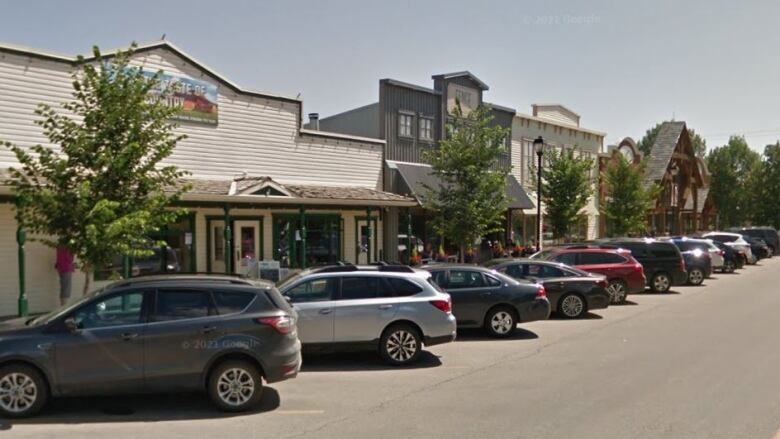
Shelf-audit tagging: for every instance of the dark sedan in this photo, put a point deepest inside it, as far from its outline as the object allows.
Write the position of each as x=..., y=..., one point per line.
x=484, y=298
x=572, y=292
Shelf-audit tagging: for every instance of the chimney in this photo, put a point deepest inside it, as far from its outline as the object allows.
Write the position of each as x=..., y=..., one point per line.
x=314, y=121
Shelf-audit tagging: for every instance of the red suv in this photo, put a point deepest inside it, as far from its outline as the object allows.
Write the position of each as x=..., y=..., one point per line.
x=624, y=273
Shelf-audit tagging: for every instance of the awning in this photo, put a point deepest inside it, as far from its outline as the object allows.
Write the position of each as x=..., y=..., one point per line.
x=414, y=178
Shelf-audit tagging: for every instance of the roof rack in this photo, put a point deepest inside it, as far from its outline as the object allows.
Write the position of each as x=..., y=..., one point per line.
x=396, y=268
x=335, y=268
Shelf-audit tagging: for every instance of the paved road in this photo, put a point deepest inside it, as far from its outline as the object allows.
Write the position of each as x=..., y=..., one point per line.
x=703, y=362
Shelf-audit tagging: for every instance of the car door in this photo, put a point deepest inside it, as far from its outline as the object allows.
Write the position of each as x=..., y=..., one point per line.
x=314, y=301
x=550, y=277
x=183, y=334
x=105, y=354
x=595, y=262
x=364, y=307
x=471, y=295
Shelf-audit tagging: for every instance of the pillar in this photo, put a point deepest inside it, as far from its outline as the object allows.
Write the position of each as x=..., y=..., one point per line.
x=302, y=221
x=370, y=233
x=228, y=241
x=21, y=238
x=409, y=236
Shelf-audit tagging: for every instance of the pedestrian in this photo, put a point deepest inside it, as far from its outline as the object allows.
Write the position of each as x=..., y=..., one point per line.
x=65, y=268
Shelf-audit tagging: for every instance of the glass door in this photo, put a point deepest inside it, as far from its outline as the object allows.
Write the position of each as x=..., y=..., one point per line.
x=246, y=238
x=217, y=248
x=366, y=246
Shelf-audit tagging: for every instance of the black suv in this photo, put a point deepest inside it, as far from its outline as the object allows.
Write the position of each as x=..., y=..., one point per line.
x=662, y=261
x=220, y=334
x=768, y=234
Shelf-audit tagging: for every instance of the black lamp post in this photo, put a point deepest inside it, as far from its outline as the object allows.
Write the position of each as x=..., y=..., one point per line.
x=539, y=146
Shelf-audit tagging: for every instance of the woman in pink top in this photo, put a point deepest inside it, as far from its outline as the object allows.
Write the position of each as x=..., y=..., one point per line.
x=65, y=267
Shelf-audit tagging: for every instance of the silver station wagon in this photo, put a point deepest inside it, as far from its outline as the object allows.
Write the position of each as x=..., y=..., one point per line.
x=394, y=309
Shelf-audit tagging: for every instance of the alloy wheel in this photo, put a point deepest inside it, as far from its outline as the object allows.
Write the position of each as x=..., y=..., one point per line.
x=18, y=392
x=695, y=277
x=401, y=345
x=572, y=306
x=661, y=283
x=235, y=386
x=502, y=322
x=617, y=292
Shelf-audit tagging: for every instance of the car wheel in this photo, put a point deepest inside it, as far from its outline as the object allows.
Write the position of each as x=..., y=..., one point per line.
x=501, y=322
x=617, y=291
x=400, y=344
x=728, y=267
x=695, y=276
x=235, y=386
x=23, y=391
x=572, y=306
x=660, y=283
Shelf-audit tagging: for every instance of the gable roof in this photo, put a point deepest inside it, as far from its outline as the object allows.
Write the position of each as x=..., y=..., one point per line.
x=701, y=197
x=464, y=73
x=661, y=153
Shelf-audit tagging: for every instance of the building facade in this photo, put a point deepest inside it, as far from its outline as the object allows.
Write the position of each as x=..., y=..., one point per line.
x=560, y=128
x=263, y=187
x=412, y=119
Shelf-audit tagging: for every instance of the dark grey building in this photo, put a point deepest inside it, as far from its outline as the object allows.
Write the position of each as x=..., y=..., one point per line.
x=412, y=119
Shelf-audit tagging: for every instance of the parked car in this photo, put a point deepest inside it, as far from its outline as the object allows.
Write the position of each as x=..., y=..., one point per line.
x=697, y=254
x=768, y=234
x=732, y=259
x=759, y=247
x=734, y=240
x=393, y=309
x=219, y=334
x=662, y=261
x=624, y=274
x=571, y=292
x=484, y=298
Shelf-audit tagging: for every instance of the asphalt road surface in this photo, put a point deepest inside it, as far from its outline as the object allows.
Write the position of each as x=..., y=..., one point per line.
x=701, y=362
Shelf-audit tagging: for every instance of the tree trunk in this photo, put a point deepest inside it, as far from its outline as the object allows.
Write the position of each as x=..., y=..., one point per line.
x=87, y=270
x=462, y=255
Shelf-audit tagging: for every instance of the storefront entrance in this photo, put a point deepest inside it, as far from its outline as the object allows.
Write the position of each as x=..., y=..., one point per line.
x=367, y=244
x=246, y=248
x=320, y=244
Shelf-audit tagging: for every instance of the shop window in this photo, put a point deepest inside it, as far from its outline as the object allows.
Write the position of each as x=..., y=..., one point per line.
x=405, y=124
x=323, y=240
x=426, y=128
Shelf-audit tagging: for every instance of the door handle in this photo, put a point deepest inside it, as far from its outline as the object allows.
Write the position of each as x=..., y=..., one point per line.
x=325, y=311
x=208, y=329
x=127, y=336
x=486, y=294
x=387, y=306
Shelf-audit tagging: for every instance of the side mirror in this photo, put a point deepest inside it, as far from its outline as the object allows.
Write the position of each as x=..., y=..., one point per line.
x=71, y=325
x=288, y=299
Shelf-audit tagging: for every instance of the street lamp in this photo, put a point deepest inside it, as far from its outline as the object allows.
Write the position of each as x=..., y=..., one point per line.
x=539, y=146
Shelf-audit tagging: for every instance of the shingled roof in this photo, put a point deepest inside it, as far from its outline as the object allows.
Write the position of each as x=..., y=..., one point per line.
x=663, y=149
x=701, y=195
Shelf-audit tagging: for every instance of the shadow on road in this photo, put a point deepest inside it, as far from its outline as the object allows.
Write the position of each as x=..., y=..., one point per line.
x=361, y=361
x=652, y=293
x=626, y=303
x=138, y=408
x=468, y=335
x=588, y=316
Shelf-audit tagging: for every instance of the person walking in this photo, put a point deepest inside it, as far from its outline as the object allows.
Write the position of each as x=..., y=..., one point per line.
x=65, y=267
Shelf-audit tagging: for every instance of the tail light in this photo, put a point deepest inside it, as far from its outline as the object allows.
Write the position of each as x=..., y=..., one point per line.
x=602, y=283
x=638, y=267
x=282, y=324
x=682, y=264
x=721, y=252
x=443, y=305
x=541, y=293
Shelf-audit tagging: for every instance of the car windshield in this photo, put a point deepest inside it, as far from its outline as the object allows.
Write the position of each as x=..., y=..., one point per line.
x=289, y=280
x=47, y=318
x=544, y=254
x=504, y=278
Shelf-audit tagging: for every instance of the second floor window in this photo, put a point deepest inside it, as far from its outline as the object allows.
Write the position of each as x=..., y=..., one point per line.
x=426, y=128
x=405, y=125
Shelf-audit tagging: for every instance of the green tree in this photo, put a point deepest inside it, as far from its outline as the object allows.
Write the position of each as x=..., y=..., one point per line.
x=628, y=198
x=645, y=144
x=471, y=199
x=767, y=196
x=101, y=190
x=734, y=168
x=566, y=187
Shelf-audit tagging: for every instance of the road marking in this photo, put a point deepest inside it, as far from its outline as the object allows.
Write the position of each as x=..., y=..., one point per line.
x=299, y=412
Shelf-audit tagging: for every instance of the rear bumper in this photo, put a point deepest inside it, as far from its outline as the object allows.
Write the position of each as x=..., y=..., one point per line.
x=283, y=365
x=443, y=331
x=538, y=309
x=679, y=278
x=637, y=285
x=598, y=301
x=432, y=341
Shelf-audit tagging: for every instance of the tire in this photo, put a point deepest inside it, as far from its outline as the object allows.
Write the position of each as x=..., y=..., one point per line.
x=572, y=306
x=695, y=276
x=500, y=322
x=728, y=267
x=235, y=385
x=618, y=291
x=23, y=391
x=660, y=282
x=400, y=344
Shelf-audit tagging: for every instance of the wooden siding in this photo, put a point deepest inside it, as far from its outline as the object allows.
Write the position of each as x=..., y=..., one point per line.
x=393, y=100
x=363, y=121
x=255, y=135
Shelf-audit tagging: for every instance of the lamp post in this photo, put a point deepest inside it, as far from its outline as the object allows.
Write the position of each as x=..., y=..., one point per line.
x=539, y=146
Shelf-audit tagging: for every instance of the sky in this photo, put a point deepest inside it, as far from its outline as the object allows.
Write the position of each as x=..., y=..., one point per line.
x=622, y=65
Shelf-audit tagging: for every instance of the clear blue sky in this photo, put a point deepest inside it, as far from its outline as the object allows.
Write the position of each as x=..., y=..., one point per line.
x=623, y=65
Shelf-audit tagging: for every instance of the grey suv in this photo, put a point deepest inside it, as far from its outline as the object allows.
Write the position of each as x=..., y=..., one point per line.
x=395, y=309
x=159, y=333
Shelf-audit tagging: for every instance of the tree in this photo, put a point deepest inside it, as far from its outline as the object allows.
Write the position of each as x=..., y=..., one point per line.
x=734, y=168
x=645, y=144
x=101, y=189
x=628, y=199
x=566, y=187
x=767, y=196
x=470, y=200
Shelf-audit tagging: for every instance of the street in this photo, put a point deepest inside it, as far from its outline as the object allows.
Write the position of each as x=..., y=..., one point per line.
x=701, y=362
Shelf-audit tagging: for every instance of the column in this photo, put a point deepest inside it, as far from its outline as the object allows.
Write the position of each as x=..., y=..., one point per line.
x=302, y=221
x=228, y=241
x=21, y=238
x=370, y=233
x=409, y=236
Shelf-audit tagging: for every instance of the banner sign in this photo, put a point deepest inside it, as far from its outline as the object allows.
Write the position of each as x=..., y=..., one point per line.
x=196, y=100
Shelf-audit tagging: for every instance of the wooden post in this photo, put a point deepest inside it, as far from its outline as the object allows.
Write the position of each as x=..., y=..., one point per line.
x=228, y=241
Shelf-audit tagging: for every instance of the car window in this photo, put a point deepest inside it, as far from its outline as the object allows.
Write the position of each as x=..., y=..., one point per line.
x=402, y=287
x=314, y=290
x=465, y=279
x=637, y=249
x=685, y=246
x=229, y=302
x=567, y=258
x=611, y=258
x=516, y=271
x=118, y=310
x=663, y=250
x=358, y=287
x=723, y=238
x=492, y=281
x=544, y=271
x=591, y=258
x=182, y=304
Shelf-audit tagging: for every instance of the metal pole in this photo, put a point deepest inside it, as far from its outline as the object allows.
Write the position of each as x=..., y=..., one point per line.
x=125, y=267
x=21, y=238
x=409, y=236
x=539, y=201
x=228, y=241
